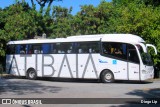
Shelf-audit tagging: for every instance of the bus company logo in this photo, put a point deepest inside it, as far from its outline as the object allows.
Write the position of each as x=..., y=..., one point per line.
x=6, y=101
x=102, y=61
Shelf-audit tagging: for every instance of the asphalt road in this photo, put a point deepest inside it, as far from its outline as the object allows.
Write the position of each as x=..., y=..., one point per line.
x=66, y=88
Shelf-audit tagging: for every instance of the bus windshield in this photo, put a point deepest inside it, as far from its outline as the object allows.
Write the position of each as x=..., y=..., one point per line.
x=146, y=57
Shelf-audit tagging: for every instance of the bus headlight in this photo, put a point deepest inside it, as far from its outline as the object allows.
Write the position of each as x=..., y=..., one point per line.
x=144, y=71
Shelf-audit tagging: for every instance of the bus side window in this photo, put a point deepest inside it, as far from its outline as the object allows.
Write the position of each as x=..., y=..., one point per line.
x=53, y=48
x=93, y=47
x=46, y=48
x=59, y=48
x=87, y=47
x=22, y=49
x=18, y=47
x=62, y=48
x=29, y=49
x=37, y=49
x=10, y=49
x=78, y=48
x=114, y=49
x=106, y=48
x=69, y=48
x=81, y=47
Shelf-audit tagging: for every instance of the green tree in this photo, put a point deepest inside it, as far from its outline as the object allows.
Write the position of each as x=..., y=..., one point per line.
x=18, y=21
x=93, y=20
x=62, y=22
x=88, y=22
x=136, y=17
x=21, y=23
x=42, y=4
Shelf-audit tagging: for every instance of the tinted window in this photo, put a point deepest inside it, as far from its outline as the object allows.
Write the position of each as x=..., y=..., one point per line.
x=36, y=49
x=23, y=49
x=146, y=58
x=132, y=54
x=46, y=48
x=18, y=47
x=115, y=49
x=62, y=48
x=32, y=49
x=58, y=48
x=10, y=49
x=87, y=47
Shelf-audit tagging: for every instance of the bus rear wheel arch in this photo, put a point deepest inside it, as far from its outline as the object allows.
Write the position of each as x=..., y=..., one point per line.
x=107, y=76
x=31, y=74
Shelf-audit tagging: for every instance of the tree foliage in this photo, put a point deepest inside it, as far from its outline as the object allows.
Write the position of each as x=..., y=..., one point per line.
x=142, y=19
x=62, y=22
x=18, y=21
x=42, y=4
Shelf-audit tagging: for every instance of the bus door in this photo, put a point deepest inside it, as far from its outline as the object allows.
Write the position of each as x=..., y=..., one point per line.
x=133, y=65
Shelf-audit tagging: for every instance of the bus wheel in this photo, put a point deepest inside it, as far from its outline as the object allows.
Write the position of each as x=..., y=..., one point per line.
x=31, y=74
x=107, y=76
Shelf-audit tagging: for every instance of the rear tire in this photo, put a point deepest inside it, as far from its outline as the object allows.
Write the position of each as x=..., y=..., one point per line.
x=107, y=76
x=31, y=74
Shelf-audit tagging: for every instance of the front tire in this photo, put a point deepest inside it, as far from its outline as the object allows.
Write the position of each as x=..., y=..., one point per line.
x=107, y=76
x=31, y=74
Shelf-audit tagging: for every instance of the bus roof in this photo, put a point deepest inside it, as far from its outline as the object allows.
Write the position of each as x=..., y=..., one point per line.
x=125, y=38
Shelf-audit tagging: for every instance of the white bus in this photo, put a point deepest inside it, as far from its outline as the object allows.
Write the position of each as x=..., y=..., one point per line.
x=107, y=57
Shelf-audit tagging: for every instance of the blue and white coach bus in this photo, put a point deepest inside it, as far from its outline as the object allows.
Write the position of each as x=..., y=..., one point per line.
x=107, y=57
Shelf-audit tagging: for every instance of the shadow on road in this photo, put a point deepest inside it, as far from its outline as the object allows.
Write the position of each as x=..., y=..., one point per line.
x=151, y=93
x=148, y=98
x=25, y=87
